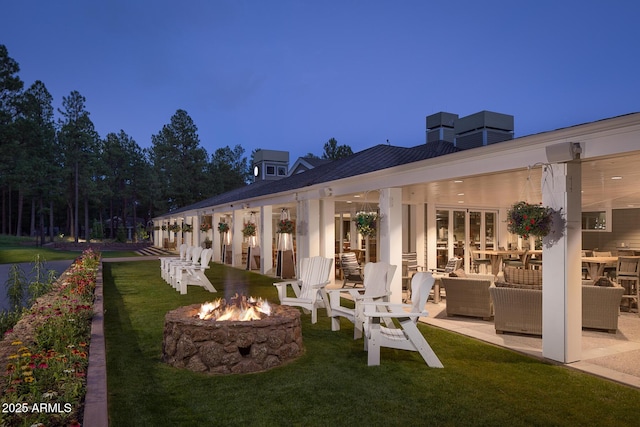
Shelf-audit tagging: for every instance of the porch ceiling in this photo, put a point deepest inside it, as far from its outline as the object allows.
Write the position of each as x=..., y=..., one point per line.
x=599, y=190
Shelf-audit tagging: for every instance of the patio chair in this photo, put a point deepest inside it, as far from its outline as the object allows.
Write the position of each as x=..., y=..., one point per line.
x=166, y=272
x=309, y=289
x=194, y=274
x=409, y=268
x=628, y=276
x=478, y=261
x=609, y=269
x=407, y=336
x=164, y=261
x=377, y=283
x=174, y=267
x=351, y=270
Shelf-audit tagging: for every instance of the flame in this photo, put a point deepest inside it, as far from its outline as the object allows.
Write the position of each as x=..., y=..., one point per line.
x=240, y=308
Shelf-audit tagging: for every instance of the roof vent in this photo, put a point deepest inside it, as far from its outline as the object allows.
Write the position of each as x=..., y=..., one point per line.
x=483, y=128
x=440, y=127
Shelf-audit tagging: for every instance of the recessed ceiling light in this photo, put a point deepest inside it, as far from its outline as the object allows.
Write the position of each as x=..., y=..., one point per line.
x=616, y=177
x=458, y=181
x=460, y=201
x=349, y=201
x=356, y=195
x=460, y=194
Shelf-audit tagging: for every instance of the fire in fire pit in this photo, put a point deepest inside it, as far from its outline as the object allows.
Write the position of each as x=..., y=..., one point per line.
x=240, y=308
x=207, y=338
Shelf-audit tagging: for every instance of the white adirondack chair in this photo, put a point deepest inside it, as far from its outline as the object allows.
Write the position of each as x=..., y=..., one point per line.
x=377, y=287
x=194, y=259
x=164, y=261
x=407, y=336
x=194, y=274
x=309, y=289
x=168, y=264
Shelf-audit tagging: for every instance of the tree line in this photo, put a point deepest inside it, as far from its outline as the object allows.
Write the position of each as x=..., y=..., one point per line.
x=59, y=175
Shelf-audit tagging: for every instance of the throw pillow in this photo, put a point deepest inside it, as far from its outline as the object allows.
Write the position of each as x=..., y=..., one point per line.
x=604, y=281
x=460, y=273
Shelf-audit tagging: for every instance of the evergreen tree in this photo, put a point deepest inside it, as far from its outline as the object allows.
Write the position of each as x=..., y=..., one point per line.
x=35, y=159
x=79, y=144
x=229, y=168
x=179, y=163
x=333, y=151
x=10, y=90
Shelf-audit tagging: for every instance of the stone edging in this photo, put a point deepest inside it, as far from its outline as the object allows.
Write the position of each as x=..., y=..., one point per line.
x=95, y=406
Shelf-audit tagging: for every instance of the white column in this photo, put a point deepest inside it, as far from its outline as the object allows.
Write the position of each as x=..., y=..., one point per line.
x=196, y=234
x=432, y=236
x=237, y=238
x=266, y=239
x=216, y=237
x=391, y=236
x=561, y=274
x=420, y=234
x=328, y=231
x=308, y=230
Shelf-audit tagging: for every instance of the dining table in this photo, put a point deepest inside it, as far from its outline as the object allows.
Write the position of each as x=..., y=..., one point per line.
x=496, y=257
x=596, y=264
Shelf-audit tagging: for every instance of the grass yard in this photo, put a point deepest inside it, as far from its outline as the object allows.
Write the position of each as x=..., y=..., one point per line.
x=331, y=384
x=22, y=249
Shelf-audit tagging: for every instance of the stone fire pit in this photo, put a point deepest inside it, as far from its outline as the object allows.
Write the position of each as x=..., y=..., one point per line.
x=231, y=347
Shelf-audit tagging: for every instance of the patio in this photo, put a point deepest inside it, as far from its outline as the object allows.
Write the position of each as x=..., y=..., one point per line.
x=611, y=356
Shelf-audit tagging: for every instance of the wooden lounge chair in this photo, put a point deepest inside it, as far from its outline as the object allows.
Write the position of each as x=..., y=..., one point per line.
x=377, y=282
x=194, y=274
x=407, y=336
x=309, y=289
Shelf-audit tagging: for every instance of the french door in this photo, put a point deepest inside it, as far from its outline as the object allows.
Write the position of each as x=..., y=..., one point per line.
x=462, y=230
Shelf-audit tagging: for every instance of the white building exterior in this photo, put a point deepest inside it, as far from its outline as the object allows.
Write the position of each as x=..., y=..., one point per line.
x=410, y=190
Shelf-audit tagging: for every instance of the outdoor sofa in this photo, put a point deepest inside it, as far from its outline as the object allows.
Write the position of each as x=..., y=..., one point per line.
x=469, y=295
x=518, y=306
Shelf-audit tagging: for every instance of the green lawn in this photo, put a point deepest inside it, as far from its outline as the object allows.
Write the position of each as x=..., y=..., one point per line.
x=331, y=384
x=21, y=249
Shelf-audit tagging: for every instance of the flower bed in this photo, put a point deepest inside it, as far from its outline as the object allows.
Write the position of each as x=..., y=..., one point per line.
x=45, y=356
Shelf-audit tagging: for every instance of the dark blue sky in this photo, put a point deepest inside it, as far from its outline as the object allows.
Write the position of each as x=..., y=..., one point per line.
x=290, y=75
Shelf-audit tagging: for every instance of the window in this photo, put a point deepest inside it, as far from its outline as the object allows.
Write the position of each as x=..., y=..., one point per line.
x=271, y=170
x=595, y=221
x=282, y=171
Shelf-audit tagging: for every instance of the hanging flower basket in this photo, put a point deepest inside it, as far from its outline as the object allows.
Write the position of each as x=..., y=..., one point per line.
x=164, y=228
x=187, y=228
x=525, y=219
x=205, y=226
x=174, y=228
x=366, y=223
x=249, y=229
x=223, y=227
x=286, y=226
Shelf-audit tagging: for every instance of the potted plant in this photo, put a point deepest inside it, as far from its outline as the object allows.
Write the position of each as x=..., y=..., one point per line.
x=526, y=219
x=187, y=228
x=174, y=228
x=205, y=226
x=286, y=226
x=249, y=229
x=366, y=223
x=223, y=227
